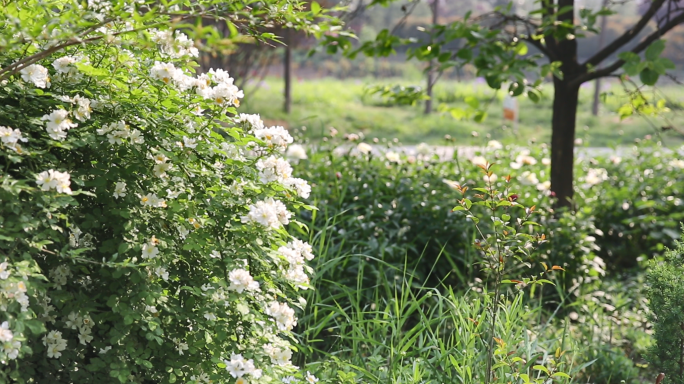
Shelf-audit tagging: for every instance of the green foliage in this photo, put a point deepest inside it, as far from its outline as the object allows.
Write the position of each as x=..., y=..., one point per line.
x=396, y=210
x=343, y=104
x=665, y=291
x=142, y=229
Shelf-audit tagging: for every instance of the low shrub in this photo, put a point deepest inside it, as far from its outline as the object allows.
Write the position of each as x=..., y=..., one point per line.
x=666, y=300
x=142, y=230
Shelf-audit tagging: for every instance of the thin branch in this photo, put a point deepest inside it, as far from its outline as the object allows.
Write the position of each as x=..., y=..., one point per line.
x=640, y=47
x=626, y=37
x=407, y=13
x=528, y=25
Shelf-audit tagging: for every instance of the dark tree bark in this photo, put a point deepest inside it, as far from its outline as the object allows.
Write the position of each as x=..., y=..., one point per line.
x=565, y=100
x=566, y=89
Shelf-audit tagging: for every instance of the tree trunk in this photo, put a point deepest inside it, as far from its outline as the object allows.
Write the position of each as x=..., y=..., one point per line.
x=565, y=99
x=431, y=71
x=287, y=75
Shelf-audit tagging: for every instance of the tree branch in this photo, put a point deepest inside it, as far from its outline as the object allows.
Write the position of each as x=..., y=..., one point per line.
x=537, y=44
x=626, y=37
x=679, y=19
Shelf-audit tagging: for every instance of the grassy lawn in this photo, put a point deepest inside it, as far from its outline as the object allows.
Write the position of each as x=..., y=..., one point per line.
x=322, y=103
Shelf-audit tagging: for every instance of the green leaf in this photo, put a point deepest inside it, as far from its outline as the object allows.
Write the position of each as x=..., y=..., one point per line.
x=533, y=96
x=625, y=111
x=473, y=102
x=649, y=76
x=315, y=8
x=654, y=50
x=541, y=368
x=561, y=374
x=465, y=54
x=629, y=56
x=480, y=116
x=521, y=49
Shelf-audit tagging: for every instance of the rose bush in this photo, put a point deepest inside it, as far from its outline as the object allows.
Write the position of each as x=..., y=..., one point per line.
x=142, y=218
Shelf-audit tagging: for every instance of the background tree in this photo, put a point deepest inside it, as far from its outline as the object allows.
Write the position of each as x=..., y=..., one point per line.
x=497, y=44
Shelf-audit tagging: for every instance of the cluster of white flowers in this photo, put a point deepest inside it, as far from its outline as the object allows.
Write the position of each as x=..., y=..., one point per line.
x=392, y=157
x=479, y=160
x=424, y=149
x=82, y=104
x=300, y=186
x=151, y=200
x=84, y=325
x=52, y=179
x=12, y=290
x=241, y=280
x=295, y=253
x=10, y=138
x=66, y=68
x=275, y=137
x=216, y=86
x=544, y=186
x=223, y=93
x=279, y=354
x=118, y=131
x=523, y=158
x=161, y=165
x=296, y=152
x=282, y=314
x=677, y=163
x=452, y=184
x=180, y=345
x=174, y=45
x=58, y=123
x=60, y=275
x=273, y=169
x=4, y=271
x=269, y=213
x=529, y=178
x=364, y=148
x=595, y=176
x=494, y=145
x=10, y=347
x=37, y=74
x=238, y=366
x=5, y=332
x=55, y=344
x=251, y=122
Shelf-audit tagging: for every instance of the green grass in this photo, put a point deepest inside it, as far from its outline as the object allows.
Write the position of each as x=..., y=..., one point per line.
x=322, y=103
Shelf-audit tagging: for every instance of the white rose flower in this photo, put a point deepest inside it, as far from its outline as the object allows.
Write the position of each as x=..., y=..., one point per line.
x=529, y=178
x=296, y=152
x=52, y=179
x=37, y=74
x=6, y=334
x=119, y=189
x=241, y=280
x=479, y=160
x=58, y=123
x=393, y=157
x=364, y=148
